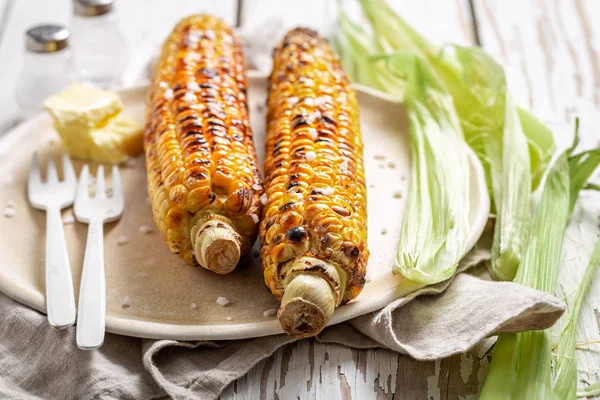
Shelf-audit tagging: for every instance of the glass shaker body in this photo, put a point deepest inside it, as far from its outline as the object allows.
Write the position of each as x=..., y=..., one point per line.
x=100, y=52
x=43, y=74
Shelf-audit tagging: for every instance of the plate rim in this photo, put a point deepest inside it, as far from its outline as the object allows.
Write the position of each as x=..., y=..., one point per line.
x=165, y=330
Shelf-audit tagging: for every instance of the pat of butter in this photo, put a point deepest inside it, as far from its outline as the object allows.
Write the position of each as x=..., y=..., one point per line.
x=83, y=106
x=90, y=125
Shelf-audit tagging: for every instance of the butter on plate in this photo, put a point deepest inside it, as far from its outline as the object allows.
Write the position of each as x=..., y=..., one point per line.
x=91, y=126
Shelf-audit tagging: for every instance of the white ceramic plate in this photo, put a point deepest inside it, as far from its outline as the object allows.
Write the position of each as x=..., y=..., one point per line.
x=169, y=299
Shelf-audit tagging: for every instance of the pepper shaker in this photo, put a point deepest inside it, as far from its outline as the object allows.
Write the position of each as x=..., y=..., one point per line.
x=100, y=52
x=46, y=67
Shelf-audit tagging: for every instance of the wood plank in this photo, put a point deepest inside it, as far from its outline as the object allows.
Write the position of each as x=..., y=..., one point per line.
x=4, y=11
x=550, y=52
x=440, y=21
x=264, y=14
x=312, y=370
x=145, y=24
x=443, y=21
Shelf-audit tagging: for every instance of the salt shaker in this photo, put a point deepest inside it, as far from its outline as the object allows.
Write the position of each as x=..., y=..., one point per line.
x=46, y=67
x=100, y=52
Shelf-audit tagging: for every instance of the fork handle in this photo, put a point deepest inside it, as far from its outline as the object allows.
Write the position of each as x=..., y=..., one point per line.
x=92, y=293
x=60, y=299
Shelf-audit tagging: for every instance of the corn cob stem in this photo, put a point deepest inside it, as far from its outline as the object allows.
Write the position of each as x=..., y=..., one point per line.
x=216, y=246
x=309, y=299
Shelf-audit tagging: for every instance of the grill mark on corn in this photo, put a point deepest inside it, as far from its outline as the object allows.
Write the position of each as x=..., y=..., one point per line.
x=313, y=110
x=198, y=143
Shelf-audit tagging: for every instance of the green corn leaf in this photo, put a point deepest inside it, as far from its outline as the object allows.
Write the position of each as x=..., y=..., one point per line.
x=502, y=373
x=589, y=391
x=438, y=200
x=491, y=125
x=565, y=383
x=533, y=350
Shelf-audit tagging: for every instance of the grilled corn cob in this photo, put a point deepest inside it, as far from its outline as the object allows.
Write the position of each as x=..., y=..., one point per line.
x=313, y=231
x=203, y=179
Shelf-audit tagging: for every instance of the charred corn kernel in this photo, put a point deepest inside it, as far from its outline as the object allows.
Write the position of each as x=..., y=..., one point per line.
x=314, y=222
x=200, y=156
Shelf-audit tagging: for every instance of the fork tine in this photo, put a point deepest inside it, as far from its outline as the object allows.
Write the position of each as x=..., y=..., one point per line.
x=34, y=173
x=117, y=186
x=83, y=190
x=51, y=175
x=68, y=171
x=100, y=184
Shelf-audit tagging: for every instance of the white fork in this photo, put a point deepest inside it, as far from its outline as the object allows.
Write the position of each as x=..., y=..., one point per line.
x=95, y=211
x=52, y=196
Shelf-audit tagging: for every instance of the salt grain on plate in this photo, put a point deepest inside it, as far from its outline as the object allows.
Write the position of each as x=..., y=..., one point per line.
x=255, y=218
x=126, y=302
x=397, y=195
x=384, y=231
x=344, y=165
x=311, y=156
x=168, y=94
x=122, y=240
x=313, y=133
x=189, y=97
x=146, y=229
x=263, y=199
x=193, y=306
x=379, y=157
x=222, y=301
x=270, y=312
x=229, y=318
x=148, y=263
x=10, y=212
x=391, y=165
x=371, y=186
x=68, y=219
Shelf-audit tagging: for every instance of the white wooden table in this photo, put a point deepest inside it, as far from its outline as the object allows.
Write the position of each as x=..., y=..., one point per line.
x=551, y=50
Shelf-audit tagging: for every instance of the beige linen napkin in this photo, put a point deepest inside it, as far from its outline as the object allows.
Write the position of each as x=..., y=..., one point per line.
x=38, y=362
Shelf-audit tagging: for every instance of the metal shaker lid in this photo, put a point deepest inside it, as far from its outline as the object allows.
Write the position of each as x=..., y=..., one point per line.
x=92, y=8
x=47, y=38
